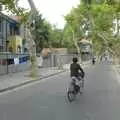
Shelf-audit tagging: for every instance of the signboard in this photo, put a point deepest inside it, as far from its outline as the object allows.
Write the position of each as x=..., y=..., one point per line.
x=85, y=48
x=16, y=61
x=40, y=61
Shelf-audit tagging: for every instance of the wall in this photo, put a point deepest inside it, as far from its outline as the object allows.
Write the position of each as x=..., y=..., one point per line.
x=46, y=51
x=14, y=41
x=8, y=65
x=18, y=42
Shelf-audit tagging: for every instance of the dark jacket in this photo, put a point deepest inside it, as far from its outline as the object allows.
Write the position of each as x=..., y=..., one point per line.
x=75, y=70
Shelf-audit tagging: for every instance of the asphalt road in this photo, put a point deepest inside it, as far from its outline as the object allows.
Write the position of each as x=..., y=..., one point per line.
x=47, y=100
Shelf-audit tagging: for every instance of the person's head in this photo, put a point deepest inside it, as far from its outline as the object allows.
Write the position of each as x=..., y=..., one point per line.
x=75, y=60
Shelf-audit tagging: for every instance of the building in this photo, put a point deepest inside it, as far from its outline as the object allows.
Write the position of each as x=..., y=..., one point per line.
x=46, y=51
x=85, y=48
x=10, y=35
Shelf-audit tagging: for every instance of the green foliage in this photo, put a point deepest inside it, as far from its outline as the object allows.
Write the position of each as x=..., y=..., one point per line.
x=96, y=18
x=68, y=37
x=44, y=34
x=41, y=33
x=103, y=17
x=91, y=15
x=56, y=37
x=12, y=5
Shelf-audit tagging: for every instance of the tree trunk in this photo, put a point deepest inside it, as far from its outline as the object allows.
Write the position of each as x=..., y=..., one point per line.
x=32, y=52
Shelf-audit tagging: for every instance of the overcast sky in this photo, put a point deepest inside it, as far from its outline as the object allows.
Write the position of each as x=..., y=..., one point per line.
x=53, y=10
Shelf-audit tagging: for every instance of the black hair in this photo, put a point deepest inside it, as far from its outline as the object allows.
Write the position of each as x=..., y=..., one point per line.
x=75, y=59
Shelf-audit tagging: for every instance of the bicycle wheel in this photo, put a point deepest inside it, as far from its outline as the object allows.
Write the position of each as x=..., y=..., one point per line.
x=71, y=92
x=71, y=96
x=81, y=87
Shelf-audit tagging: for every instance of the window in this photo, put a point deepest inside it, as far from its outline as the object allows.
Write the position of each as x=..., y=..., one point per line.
x=11, y=31
x=16, y=30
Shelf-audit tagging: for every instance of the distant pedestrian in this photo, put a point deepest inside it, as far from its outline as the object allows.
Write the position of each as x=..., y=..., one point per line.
x=100, y=58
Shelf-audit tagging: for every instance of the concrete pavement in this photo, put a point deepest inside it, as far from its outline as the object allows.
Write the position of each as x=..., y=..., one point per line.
x=47, y=100
x=11, y=81
x=117, y=70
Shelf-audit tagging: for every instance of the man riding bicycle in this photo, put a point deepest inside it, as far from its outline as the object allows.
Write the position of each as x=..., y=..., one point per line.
x=76, y=70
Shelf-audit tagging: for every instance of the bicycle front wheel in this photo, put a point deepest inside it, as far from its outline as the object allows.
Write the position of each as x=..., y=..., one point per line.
x=71, y=96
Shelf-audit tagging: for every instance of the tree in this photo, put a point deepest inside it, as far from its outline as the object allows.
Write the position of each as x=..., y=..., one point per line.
x=12, y=5
x=15, y=9
x=41, y=33
x=97, y=19
x=68, y=37
x=56, y=37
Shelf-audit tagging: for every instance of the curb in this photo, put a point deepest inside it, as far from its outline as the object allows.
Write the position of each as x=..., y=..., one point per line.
x=28, y=82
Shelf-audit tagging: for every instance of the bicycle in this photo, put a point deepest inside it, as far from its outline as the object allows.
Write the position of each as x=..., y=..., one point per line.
x=74, y=88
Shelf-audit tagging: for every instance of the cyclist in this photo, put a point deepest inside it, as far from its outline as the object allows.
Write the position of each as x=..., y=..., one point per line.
x=76, y=70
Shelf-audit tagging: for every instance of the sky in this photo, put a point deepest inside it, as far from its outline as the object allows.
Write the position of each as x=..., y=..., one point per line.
x=53, y=10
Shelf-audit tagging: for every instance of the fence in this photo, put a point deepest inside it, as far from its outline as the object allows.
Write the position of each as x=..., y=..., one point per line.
x=55, y=60
x=12, y=63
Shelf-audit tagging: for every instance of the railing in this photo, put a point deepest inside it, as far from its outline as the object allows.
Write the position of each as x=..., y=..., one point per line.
x=10, y=62
x=57, y=60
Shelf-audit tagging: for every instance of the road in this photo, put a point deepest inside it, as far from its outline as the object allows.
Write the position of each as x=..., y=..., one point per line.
x=47, y=100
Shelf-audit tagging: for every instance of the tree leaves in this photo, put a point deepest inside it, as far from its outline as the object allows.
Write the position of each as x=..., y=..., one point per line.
x=12, y=5
x=96, y=18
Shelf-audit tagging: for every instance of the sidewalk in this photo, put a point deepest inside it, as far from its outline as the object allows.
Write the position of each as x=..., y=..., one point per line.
x=15, y=80
x=11, y=81
x=117, y=68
